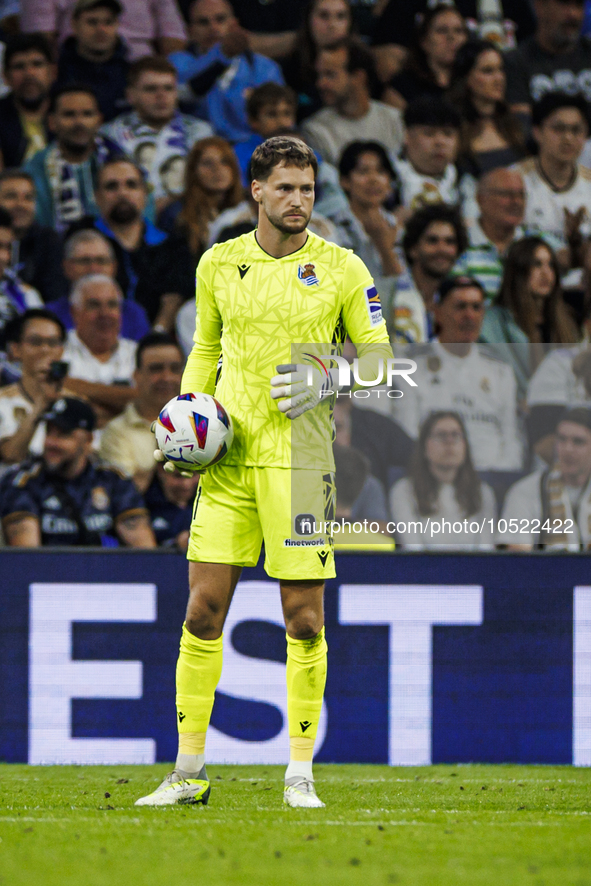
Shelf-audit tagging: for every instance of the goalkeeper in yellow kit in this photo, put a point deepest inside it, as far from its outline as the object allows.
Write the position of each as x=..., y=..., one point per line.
x=257, y=295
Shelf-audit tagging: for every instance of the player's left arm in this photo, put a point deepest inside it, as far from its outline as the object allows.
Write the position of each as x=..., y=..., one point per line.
x=297, y=389
x=362, y=318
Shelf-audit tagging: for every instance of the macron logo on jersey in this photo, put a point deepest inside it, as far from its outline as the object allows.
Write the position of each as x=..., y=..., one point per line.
x=374, y=305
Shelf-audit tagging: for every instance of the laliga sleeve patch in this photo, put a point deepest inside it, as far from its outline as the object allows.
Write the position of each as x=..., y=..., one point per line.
x=374, y=305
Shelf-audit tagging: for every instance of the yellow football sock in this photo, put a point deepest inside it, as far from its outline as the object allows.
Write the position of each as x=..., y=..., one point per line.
x=306, y=679
x=301, y=750
x=198, y=672
x=192, y=743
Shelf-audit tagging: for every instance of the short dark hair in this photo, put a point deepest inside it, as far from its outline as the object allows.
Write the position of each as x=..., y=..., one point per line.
x=115, y=160
x=420, y=220
x=430, y=111
x=5, y=218
x=70, y=89
x=26, y=43
x=579, y=415
x=355, y=150
x=18, y=325
x=269, y=94
x=359, y=58
x=155, y=64
x=154, y=340
x=113, y=5
x=554, y=101
x=457, y=281
x=288, y=150
x=14, y=172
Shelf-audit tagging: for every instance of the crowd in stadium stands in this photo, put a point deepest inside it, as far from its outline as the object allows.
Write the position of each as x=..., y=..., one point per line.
x=454, y=151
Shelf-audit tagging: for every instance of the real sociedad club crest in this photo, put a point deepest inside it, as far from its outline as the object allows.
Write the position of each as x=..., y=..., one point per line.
x=307, y=275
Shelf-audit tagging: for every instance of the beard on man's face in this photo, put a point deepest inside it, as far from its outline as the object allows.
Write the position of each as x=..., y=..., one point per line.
x=124, y=212
x=32, y=102
x=79, y=145
x=285, y=226
x=57, y=464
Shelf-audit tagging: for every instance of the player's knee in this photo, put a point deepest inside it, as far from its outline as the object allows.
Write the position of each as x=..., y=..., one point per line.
x=305, y=624
x=204, y=620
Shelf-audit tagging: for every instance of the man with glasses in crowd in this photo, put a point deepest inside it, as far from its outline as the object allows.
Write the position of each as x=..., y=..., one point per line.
x=90, y=252
x=501, y=198
x=37, y=341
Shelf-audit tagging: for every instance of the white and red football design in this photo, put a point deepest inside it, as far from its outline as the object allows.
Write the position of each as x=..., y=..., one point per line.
x=194, y=431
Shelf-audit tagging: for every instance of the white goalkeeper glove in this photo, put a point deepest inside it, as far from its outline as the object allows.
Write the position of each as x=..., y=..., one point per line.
x=294, y=393
x=169, y=466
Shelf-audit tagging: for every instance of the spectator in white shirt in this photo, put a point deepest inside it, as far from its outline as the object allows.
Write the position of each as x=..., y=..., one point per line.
x=453, y=373
x=563, y=379
x=558, y=188
x=38, y=338
x=101, y=363
x=427, y=171
x=551, y=508
x=443, y=486
x=345, y=73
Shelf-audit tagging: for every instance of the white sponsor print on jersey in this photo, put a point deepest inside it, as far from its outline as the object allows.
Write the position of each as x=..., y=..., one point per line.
x=374, y=306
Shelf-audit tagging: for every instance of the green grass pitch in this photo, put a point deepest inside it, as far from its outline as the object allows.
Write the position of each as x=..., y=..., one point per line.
x=430, y=826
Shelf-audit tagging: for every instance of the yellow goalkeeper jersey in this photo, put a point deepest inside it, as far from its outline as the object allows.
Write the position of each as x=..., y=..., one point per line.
x=258, y=312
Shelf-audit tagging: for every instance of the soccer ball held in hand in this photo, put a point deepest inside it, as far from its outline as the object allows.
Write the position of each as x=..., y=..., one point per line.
x=193, y=431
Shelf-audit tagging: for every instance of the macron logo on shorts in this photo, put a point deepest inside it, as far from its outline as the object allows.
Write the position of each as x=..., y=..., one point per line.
x=374, y=305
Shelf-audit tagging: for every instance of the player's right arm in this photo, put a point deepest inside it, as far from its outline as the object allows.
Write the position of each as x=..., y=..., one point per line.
x=201, y=369
x=200, y=372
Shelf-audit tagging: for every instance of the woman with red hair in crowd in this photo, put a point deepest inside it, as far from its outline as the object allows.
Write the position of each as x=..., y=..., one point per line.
x=212, y=184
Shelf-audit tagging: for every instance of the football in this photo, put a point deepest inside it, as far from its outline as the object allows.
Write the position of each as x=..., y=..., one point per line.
x=194, y=431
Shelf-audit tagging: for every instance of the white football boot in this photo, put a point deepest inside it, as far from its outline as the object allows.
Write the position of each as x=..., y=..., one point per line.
x=178, y=789
x=300, y=793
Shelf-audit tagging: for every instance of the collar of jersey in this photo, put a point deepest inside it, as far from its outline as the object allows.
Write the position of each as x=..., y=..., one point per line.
x=283, y=257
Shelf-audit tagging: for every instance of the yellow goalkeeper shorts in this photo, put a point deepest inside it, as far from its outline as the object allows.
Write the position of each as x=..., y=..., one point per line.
x=238, y=507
